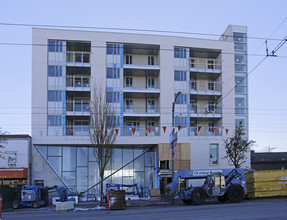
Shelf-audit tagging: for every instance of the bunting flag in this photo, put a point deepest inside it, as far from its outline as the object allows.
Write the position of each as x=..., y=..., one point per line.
x=149, y=129
x=226, y=130
x=133, y=129
x=156, y=130
x=117, y=131
x=179, y=127
x=198, y=128
x=213, y=130
x=164, y=129
x=101, y=131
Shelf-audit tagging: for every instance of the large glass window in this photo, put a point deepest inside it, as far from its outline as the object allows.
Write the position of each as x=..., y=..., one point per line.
x=113, y=49
x=69, y=156
x=180, y=75
x=129, y=82
x=239, y=37
x=113, y=73
x=213, y=154
x=54, y=120
x=181, y=99
x=55, y=46
x=180, y=121
x=54, y=96
x=179, y=52
x=55, y=71
x=240, y=58
x=82, y=156
x=113, y=97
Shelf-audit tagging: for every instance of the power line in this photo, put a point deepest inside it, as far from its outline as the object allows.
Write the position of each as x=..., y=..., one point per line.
x=125, y=29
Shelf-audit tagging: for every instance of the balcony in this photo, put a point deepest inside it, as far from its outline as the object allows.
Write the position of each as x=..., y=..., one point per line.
x=78, y=83
x=205, y=131
x=75, y=58
x=141, y=131
x=77, y=130
x=205, y=111
x=150, y=111
x=205, y=88
x=75, y=107
x=205, y=65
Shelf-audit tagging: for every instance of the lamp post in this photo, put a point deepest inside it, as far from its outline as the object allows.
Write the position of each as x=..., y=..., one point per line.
x=172, y=155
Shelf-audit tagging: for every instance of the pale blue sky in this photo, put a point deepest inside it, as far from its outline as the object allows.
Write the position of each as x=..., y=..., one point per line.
x=267, y=84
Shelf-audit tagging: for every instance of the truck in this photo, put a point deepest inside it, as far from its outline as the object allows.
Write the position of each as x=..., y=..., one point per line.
x=36, y=196
x=223, y=184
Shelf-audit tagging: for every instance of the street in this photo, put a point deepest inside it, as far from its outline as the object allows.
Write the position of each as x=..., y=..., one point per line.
x=248, y=209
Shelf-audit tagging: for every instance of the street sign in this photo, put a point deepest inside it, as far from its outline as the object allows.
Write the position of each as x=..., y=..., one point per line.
x=173, y=138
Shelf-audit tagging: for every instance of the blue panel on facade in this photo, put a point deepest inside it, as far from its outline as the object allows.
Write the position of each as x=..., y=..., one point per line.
x=122, y=55
x=110, y=89
x=122, y=113
x=64, y=125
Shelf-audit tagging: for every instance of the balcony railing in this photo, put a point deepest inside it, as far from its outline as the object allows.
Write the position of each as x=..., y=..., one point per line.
x=141, y=110
x=77, y=107
x=141, y=131
x=78, y=57
x=205, y=110
x=205, y=87
x=205, y=131
x=205, y=65
x=78, y=81
x=77, y=130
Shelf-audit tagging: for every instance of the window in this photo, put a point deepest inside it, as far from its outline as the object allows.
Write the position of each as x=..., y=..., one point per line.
x=211, y=126
x=129, y=104
x=113, y=49
x=150, y=60
x=129, y=82
x=179, y=75
x=113, y=73
x=211, y=86
x=130, y=126
x=180, y=121
x=54, y=120
x=150, y=124
x=54, y=96
x=150, y=105
x=181, y=99
x=192, y=63
x=192, y=106
x=113, y=97
x=150, y=83
x=193, y=85
x=164, y=165
x=210, y=64
x=55, y=46
x=179, y=52
x=213, y=154
x=113, y=121
x=129, y=59
x=240, y=83
x=240, y=46
x=239, y=37
x=211, y=107
x=54, y=71
x=11, y=159
x=240, y=59
x=240, y=67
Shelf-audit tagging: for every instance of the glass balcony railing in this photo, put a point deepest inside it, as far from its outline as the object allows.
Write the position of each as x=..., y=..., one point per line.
x=77, y=130
x=78, y=81
x=204, y=87
x=140, y=110
x=81, y=106
x=205, y=109
x=78, y=57
x=205, y=131
x=205, y=65
x=141, y=131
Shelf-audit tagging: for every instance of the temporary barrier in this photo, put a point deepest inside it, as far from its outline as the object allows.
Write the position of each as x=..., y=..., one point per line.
x=266, y=183
x=117, y=199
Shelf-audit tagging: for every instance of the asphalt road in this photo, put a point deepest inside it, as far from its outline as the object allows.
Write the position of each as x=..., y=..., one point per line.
x=248, y=209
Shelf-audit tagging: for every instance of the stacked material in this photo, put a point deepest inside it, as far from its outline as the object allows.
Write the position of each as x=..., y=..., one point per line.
x=266, y=183
x=117, y=199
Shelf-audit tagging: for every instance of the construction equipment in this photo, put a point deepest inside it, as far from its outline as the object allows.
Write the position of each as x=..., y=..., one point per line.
x=225, y=184
x=112, y=186
x=36, y=196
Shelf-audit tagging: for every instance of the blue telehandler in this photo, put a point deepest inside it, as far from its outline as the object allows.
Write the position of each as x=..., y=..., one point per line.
x=225, y=184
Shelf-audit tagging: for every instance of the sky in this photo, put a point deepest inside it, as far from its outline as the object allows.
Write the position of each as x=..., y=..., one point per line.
x=265, y=19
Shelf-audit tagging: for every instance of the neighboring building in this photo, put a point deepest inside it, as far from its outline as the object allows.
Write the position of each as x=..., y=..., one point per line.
x=269, y=161
x=141, y=75
x=15, y=165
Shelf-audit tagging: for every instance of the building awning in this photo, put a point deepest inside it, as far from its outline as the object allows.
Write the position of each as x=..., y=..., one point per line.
x=14, y=173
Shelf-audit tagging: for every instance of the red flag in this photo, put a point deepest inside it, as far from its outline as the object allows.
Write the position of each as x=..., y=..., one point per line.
x=179, y=127
x=164, y=128
x=133, y=129
x=149, y=129
x=213, y=130
x=117, y=131
x=198, y=128
x=226, y=130
x=101, y=131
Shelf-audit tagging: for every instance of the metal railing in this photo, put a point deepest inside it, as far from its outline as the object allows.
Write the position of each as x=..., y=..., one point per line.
x=204, y=87
x=78, y=57
x=205, y=131
x=207, y=109
x=140, y=110
x=141, y=131
x=77, y=106
x=78, y=81
x=205, y=65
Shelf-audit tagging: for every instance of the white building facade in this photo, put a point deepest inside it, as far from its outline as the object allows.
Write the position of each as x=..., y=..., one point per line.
x=141, y=75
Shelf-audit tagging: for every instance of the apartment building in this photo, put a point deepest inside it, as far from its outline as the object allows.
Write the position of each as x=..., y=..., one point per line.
x=141, y=75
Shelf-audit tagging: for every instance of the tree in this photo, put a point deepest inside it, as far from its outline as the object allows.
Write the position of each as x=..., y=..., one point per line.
x=3, y=141
x=237, y=147
x=102, y=132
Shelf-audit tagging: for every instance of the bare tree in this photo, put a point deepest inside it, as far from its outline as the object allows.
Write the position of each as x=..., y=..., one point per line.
x=3, y=141
x=102, y=132
x=237, y=147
